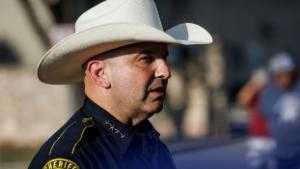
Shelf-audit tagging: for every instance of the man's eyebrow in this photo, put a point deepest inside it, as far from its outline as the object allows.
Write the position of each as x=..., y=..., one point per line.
x=151, y=52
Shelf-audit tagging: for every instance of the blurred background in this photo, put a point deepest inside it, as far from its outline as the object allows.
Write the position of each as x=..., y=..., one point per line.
x=203, y=122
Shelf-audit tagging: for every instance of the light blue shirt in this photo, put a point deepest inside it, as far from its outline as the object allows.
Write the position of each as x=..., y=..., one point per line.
x=281, y=108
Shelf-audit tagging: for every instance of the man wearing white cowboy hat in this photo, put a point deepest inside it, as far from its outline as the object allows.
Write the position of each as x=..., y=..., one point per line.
x=119, y=51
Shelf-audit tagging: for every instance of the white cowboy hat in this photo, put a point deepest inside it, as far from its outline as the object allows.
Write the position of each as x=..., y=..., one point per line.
x=109, y=25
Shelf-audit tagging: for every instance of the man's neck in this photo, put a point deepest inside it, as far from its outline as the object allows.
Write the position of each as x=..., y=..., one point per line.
x=126, y=117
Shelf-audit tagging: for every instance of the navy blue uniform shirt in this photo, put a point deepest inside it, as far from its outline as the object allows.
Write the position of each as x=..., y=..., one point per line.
x=93, y=139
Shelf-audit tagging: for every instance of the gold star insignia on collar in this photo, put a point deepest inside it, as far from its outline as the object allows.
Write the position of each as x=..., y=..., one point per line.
x=106, y=122
x=117, y=131
x=114, y=129
x=123, y=136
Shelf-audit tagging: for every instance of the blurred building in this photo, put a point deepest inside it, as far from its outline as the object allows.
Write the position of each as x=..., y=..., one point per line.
x=29, y=109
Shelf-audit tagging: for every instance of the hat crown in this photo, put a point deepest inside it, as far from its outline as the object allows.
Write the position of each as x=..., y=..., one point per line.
x=281, y=62
x=120, y=11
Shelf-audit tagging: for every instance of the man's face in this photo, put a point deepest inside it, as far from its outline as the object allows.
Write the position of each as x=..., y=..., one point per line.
x=284, y=79
x=139, y=76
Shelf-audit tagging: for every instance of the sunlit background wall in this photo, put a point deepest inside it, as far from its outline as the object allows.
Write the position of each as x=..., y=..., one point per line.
x=201, y=102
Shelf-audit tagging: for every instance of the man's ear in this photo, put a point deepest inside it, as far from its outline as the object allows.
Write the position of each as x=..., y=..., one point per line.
x=95, y=70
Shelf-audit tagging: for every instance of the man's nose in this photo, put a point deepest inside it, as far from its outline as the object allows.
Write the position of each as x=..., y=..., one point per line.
x=163, y=69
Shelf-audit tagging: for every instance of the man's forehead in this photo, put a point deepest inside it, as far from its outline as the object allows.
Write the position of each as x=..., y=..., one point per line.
x=143, y=47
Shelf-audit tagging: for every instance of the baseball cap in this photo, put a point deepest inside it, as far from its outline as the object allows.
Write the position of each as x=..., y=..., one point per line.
x=281, y=62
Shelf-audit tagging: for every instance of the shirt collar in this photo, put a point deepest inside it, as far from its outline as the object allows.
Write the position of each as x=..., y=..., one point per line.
x=121, y=135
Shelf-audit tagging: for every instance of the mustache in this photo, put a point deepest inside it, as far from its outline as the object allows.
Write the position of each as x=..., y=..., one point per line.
x=158, y=85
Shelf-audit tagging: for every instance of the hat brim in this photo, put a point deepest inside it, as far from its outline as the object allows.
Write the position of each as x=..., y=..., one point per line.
x=62, y=64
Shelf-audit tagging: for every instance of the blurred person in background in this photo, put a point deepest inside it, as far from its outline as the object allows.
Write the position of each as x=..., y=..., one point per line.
x=260, y=145
x=280, y=106
x=119, y=51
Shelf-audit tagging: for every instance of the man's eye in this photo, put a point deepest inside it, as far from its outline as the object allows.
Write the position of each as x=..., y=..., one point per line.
x=147, y=59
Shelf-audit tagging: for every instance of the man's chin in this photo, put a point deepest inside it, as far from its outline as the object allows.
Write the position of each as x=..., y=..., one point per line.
x=153, y=107
x=156, y=109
